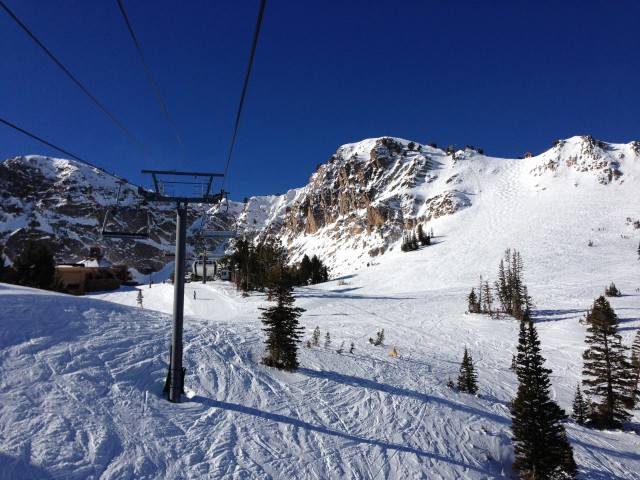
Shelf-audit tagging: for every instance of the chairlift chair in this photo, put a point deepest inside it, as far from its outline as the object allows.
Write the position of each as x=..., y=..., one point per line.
x=210, y=225
x=126, y=222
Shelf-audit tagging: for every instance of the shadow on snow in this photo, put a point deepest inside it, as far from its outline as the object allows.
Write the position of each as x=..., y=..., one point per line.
x=275, y=417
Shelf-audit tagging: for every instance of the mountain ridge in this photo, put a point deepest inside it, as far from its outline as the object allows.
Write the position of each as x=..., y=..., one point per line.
x=363, y=199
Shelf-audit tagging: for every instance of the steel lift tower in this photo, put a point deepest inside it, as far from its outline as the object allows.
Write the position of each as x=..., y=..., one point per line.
x=201, y=183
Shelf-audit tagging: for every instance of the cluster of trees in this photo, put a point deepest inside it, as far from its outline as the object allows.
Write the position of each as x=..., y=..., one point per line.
x=315, y=341
x=510, y=290
x=35, y=267
x=413, y=240
x=311, y=271
x=264, y=266
x=612, y=291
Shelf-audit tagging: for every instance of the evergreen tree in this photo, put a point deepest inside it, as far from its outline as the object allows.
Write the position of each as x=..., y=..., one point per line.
x=606, y=369
x=315, y=341
x=487, y=299
x=35, y=266
x=580, y=407
x=327, y=340
x=304, y=271
x=541, y=447
x=283, y=330
x=379, y=338
x=467, y=378
x=473, y=304
x=635, y=370
x=139, y=299
x=423, y=238
x=511, y=290
x=612, y=291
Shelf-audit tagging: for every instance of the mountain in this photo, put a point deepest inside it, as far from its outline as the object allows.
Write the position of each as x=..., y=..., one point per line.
x=355, y=208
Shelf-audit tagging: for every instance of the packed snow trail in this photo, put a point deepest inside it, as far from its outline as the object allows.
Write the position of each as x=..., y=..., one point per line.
x=82, y=380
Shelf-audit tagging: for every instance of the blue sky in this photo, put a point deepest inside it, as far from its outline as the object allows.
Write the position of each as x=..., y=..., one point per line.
x=505, y=76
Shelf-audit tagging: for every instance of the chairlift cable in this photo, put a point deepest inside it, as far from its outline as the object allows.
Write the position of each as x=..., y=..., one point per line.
x=244, y=88
x=35, y=137
x=153, y=83
x=76, y=81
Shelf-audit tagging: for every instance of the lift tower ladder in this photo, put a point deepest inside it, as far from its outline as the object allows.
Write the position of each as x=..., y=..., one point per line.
x=175, y=378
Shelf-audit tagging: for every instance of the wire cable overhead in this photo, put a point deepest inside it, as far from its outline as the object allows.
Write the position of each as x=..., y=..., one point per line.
x=75, y=80
x=35, y=137
x=153, y=83
x=244, y=87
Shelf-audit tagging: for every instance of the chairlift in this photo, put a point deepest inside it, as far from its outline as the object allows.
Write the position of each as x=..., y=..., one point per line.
x=126, y=222
x=215, y=225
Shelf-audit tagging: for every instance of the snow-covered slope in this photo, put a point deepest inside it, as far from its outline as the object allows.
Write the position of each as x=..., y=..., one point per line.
x=81, y=378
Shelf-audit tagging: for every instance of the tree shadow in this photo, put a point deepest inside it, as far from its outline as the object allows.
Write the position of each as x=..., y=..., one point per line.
x=295, y=422
x=557, y=315
x=398, y=391
x=609, y=453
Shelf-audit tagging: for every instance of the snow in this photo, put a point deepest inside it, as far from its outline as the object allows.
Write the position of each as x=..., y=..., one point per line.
x=81, y=377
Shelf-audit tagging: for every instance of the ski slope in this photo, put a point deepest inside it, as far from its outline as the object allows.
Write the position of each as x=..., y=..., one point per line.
x=81, y=378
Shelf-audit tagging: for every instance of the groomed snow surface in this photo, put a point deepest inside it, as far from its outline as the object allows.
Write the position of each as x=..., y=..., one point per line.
x=81, y=378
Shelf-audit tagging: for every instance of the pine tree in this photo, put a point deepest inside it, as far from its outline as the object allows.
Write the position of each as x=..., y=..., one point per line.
x=467, y=378
x=612, y=291
x=315, y=341
x=423, y=238
x=487, y=299
x=635, y=370
x=35, y=266
x=379, y=338
x=283, y=330
x=540, y=443
x=606, y=370
x=327, y=340
x=140, y=298
x=473, y=306
x=304, y=271
x=512, y=292
x=580, y=407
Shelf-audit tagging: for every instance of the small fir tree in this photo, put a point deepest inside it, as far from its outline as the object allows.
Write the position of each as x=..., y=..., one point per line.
x=473, y=306
x=540, y=443
x=487, y=299
x=580, y=407
x=607, y=373
x=315, y=340
x=140, y=297
x=340, y=349
x=379, y=338
x=612, y=291
x=283, y=330
x=467, y=378
x=327, y=340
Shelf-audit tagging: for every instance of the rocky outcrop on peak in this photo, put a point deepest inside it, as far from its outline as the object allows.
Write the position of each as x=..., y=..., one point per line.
x=585, y=155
